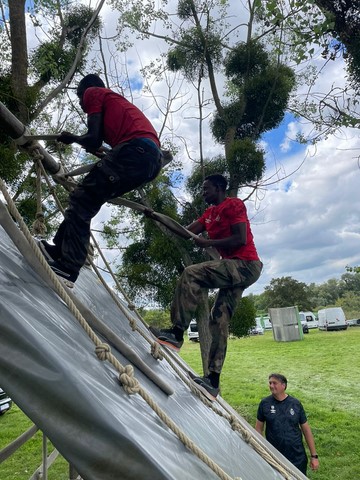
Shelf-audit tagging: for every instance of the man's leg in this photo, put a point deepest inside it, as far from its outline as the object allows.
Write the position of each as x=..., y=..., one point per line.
x=220, y=316
x=122, y=170
x=225, y=273
x=224, y=307
x=189, y=295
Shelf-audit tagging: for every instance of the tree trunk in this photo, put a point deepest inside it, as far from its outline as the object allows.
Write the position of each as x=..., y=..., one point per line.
x=19, y=62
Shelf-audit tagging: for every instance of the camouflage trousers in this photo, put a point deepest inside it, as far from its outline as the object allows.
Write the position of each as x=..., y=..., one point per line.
x=231, y=277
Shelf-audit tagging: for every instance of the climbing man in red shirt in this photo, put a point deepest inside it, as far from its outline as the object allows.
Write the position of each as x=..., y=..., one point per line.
x=229, y=232
x=134, y=159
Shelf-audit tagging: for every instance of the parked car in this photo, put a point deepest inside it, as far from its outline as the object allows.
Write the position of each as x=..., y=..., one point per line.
x=5, y=402
x=264, y=321
x=354, y=323
x=332, y=319
x=257, y=330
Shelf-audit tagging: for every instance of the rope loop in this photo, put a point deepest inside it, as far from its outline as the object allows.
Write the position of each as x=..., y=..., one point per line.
x=128, y=381
x=103, y=351
x=156, y=351
x=237, y=427
x=131, y=307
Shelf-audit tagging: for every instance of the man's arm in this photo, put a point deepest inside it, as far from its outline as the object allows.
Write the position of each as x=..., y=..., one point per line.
x=259, y=426
x=314, y=462
x=237, y=237
x=196, y=227
x=92, y=139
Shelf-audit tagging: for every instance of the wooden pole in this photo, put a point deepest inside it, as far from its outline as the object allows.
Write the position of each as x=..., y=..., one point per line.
x=15, y=129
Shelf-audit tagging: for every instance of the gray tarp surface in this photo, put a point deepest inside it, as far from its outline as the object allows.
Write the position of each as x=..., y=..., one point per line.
x=49, y=367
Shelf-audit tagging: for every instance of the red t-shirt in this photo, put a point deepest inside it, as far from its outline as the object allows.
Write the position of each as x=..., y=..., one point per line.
x=122, y=120
x=218, y=220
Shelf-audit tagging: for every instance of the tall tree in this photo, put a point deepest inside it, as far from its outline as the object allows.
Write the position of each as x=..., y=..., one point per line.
x=301, y=30
x=287, y=292
x=345, y=16
x=205, y=48
x=31, y=77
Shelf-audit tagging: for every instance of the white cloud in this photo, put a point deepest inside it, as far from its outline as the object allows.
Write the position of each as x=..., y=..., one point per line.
x=311, y=230
x=290, y=136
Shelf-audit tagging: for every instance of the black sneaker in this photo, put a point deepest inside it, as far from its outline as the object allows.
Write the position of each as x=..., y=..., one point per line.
x=49, y=251
x=68, y=277
x=206, y=387
x=167, y=337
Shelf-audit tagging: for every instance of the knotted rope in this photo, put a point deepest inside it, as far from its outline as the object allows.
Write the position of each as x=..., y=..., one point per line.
x=131, y=385
x=103, y=351
x=38, y=227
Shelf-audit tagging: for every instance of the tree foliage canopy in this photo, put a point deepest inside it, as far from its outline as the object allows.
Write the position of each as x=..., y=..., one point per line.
x=244, y=318
x=286, y=292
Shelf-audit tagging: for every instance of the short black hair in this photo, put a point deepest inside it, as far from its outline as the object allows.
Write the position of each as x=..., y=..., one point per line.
x=280, y=377
x=91, y=80
x=218, y=180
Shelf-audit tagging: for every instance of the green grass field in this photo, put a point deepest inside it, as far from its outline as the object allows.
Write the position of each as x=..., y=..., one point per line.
x=323, y=371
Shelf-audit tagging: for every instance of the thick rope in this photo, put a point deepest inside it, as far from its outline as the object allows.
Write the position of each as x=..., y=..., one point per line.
x=103, y=351
x=173, y=360
x=160, y=353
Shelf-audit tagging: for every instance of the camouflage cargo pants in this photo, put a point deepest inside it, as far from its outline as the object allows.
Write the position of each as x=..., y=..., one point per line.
x=231, y=277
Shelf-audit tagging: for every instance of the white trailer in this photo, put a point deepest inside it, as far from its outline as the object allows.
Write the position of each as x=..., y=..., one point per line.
x=332, y=319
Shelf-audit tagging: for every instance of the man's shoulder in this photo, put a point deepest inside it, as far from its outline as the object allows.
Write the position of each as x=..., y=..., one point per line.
x=292, y=399
x=92, y=93
x=233, y=201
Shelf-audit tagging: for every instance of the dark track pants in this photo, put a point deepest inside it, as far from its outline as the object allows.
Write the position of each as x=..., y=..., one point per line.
x=124, y=168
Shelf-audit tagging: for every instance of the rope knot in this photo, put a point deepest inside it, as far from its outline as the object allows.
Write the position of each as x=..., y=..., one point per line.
x=35, y=152
x=103, y=351
x=156, y=351
x=233, y=422
x=128, y=381
x=131, y=307
x=38, y=228
x=132, y=324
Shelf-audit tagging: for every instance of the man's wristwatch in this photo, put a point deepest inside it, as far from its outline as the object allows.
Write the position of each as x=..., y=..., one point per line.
x=314, y=456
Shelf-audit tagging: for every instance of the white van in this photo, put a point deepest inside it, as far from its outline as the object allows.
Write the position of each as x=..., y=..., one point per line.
x=309, y=318
x=193, y=331
x=332, y=319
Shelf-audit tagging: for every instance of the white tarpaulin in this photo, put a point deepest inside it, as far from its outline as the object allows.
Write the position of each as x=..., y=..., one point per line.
x=49, y=368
